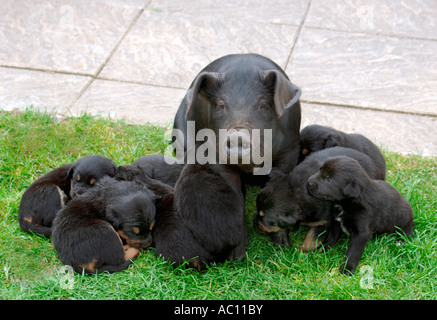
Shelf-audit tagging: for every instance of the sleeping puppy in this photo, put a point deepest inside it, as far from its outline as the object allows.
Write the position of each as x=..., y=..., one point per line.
x=156, y=166
x=285, y=203
x=368, y=206
x=43, y=199
x=49, y=193
x=315, y=137
x=86, y=233
x=206, y=227
x=87, y=171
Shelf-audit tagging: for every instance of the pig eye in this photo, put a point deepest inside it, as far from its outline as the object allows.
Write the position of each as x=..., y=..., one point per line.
x=264, y=106
x=220, y=105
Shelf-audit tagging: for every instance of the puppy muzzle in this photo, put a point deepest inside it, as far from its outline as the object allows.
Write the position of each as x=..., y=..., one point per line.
x=312, y=185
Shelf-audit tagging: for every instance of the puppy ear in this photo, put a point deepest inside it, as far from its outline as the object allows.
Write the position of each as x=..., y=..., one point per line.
x=352, y=190
x=286, y=94
x=111, y=215
x=333, y=140
x=205, y=81
x=71, y=172
x=114, y=171
x=276, y=172
x=330, y=142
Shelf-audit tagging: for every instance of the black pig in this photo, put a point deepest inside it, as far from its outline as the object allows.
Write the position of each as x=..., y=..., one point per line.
x=240, y=93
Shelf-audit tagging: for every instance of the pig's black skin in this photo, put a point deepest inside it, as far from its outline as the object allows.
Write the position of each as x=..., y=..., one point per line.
x=246, y=91
x=285, y=201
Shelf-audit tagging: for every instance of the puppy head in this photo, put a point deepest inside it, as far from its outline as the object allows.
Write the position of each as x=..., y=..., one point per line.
x=339, y=178
x=86, y=171
x=315, y=137
x=276, y=206
x=133, y=216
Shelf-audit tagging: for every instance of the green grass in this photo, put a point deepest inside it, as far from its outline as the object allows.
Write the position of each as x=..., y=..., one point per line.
x=33, y=143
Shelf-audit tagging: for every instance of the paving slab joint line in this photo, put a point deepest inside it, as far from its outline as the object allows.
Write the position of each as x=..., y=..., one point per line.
x=299, y=29
x=375, y=34
x=330, y=104
x=96, y=74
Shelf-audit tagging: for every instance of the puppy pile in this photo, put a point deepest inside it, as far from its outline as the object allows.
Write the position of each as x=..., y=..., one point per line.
x=100, y=216
x=338, y=186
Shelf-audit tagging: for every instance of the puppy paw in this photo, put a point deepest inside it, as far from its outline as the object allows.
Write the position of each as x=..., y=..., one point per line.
x=280, y=238
x=131, y=253
x=347, y=269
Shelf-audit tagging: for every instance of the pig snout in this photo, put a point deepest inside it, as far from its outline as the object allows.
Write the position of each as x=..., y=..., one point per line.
x=238, y=143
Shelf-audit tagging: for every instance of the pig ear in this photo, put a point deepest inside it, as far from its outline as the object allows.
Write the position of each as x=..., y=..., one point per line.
x=196, y=93
x=286, y=93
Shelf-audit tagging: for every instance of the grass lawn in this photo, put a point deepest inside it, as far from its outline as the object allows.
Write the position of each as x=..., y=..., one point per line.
x=33, y=143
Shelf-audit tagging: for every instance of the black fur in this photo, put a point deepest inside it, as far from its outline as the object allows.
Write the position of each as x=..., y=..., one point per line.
x=49, y=193
x=43, y=199
x=202, y=227
x=156, y=166
x=315, y=137
x=285, y=202
x=87, y=171
x=368, y=206
x=86, y=233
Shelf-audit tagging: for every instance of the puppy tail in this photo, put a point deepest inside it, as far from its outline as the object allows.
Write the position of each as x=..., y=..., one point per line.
x=35, y=229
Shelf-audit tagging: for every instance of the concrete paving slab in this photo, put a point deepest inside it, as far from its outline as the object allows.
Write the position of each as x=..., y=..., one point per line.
x=44, y=90
x=351, y=58
x=133, y=102
x=412, y=18
x=366, y=70
x=393, y=131
x=72, y=36
x=251, y=11
x=169, y=48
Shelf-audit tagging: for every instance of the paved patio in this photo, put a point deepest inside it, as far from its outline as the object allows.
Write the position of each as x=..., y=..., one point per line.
x=364, y=66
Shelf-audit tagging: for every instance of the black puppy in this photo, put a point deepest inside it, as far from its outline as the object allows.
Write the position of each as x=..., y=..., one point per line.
x=156, y=166
x=285, y=202
x=316, y=137
x=369, y=206
x=49, y=193
x=87, y=171
x=202, y=227
x=86, y=233
x=43, y=199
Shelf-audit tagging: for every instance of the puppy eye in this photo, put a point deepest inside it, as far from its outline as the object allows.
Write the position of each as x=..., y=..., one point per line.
x=78, y=177
x=329, y=179
x=92, y=181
